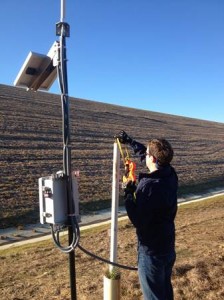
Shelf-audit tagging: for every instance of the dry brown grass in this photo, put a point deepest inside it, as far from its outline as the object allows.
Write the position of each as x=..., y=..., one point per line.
x=41, y=270
x=31, y=147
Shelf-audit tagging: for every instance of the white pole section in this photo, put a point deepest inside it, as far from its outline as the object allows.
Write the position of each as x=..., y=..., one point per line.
x=114, y=205
x=62, y=10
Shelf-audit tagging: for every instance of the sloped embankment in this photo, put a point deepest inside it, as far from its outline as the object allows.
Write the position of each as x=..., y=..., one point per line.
x=31, y=147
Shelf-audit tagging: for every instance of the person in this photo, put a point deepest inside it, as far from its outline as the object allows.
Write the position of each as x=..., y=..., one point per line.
x=152, y=206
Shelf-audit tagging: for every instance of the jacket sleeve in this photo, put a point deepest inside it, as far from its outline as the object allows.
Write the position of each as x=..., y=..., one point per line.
x=138, y=209
x=139, y=149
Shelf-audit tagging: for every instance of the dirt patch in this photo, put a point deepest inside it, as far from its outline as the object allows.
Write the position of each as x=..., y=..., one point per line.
x=41, y=270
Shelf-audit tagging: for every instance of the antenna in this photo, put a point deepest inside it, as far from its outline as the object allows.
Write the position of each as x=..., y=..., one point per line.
x=62, y=10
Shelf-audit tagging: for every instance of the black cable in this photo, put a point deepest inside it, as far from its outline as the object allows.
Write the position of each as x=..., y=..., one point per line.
x=57, y=242
x=75, y=243
x=106, y=260
x=59, y=77
x=75, y=239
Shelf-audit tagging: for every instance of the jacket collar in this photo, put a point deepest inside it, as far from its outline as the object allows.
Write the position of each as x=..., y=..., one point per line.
x=163, y=171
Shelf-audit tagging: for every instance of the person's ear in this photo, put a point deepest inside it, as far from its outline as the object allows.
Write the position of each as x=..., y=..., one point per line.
x=154, y=160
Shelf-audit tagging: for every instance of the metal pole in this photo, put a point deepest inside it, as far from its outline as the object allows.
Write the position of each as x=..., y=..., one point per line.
x=62, y=10
x=114, y=208
x=63, y=31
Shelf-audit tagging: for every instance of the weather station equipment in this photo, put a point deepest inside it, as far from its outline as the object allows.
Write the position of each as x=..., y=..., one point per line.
x=39, y=71
x=58, y=193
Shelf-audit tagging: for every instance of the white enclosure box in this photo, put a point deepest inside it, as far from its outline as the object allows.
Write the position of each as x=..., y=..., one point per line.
x=53, y=200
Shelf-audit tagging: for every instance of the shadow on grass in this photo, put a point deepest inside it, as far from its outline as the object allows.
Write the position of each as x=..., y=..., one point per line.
x=17, y=217
x=20, y=217
x=199, y=188
x=182, y=270
x=184, y=190
x=96, y=205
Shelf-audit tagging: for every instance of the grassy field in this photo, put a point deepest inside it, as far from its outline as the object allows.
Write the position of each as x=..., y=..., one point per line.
x=41, y=270
x=31, y=147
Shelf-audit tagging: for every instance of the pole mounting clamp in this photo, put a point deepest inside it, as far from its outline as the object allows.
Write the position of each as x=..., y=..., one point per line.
x=62, y=29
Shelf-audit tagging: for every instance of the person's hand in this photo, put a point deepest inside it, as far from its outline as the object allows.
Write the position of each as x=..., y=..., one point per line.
x=123, y=137
x=138, y=148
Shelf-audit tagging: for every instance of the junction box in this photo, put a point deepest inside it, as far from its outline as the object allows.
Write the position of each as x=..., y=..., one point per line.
x=53, y=199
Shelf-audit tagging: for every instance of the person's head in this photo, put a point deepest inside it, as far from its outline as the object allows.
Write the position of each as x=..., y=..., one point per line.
x=159, y=153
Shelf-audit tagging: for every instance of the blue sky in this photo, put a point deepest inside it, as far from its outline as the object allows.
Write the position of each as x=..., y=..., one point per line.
x=160, y=55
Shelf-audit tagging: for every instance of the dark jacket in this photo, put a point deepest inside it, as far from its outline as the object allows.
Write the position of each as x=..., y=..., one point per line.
x=154, y=210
